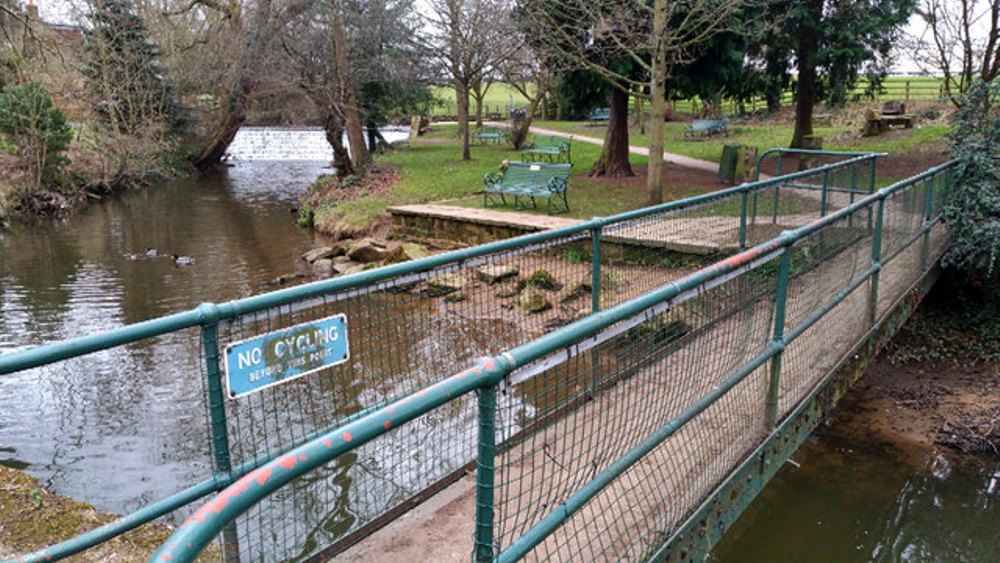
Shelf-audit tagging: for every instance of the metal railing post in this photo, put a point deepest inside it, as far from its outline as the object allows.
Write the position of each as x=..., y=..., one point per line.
x=824, y=195
x=595, y=270
x=743, y=221
x=777, y=188
x=780, y=304
x=876, y=263
x=871, y=188
x=217, y=418
x=871, y=175
x=485, y=465
x=854, y=188
x=595, y=296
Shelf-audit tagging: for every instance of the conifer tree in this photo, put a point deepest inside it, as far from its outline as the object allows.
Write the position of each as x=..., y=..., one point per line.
x=123, y=69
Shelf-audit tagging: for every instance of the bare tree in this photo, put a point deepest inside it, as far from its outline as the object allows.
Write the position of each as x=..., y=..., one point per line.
x=373, y=74
x=649, y=35
x=532, y=76
x=959, y=40
x=246, y=34
x=467, y=38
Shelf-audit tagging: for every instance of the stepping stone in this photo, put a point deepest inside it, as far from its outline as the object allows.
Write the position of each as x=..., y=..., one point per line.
x=494, y=273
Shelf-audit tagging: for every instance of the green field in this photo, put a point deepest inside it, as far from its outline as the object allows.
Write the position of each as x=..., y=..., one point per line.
x=902, y=88
x=498, y=97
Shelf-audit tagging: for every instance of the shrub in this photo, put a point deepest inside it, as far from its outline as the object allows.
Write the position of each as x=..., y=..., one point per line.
x=973, y=207
x=36, y=127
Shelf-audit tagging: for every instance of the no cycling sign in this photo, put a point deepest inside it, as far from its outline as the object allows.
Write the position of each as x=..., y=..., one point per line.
x=283, y=355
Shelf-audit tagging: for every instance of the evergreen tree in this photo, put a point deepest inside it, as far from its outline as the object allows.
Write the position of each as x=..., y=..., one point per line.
x=123, y=69
x=831, y=42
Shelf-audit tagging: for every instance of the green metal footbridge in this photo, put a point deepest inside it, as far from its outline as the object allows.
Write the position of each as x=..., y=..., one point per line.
x=417, y=411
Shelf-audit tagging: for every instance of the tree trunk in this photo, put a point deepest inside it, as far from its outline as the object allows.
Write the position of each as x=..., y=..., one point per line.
x=519, y=131
x=345, y=88
x=478, y=95
x=657, y=105
x=238, y=99
x=805, y=97
x=614, y=155
x=462, y=100
x=334, y=130
x=773, y=75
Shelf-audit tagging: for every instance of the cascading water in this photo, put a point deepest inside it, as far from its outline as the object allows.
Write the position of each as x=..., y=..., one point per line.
x=292, y=143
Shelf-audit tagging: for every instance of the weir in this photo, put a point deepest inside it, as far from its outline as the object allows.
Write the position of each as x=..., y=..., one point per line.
x=634, y=421
x=290, y=143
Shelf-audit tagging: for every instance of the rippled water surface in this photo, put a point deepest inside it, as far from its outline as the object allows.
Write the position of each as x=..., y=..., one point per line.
x=127, y=426
x=852, y=498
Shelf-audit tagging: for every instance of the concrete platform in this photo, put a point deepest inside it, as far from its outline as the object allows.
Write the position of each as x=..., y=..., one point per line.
x=701, y=236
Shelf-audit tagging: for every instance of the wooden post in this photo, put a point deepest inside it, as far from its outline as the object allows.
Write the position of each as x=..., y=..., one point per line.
x=907, y=91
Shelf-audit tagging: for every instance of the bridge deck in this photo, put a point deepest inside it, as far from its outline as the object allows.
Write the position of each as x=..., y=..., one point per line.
x=441, y=529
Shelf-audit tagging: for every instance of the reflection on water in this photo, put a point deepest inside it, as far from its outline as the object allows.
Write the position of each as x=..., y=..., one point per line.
x=853, y=499
x=127, y=426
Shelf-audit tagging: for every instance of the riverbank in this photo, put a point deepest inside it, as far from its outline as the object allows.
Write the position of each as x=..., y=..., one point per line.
x=936, y=382
x=95, y=169
x=31, y=518
x=430, y=169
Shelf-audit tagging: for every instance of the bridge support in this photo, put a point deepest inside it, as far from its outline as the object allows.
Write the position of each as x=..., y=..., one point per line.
x=695, y=538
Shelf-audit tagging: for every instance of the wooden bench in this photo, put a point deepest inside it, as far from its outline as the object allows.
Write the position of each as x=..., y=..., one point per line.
x=707, y=127
x=530, y=180
x=876, y=124
x=489, y=134
x=600, y=114
x=552, y=147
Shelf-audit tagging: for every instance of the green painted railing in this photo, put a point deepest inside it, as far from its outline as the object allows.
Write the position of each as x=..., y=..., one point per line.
x=890, y=208
x=489, y=373
x=726, y=207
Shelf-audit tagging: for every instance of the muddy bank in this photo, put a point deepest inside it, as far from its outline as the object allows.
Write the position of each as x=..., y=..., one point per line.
x=936, y=382
x=32, y=518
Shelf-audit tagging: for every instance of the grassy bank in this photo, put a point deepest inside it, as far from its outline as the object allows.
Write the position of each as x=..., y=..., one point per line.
x=31, y=517
x=431, y=170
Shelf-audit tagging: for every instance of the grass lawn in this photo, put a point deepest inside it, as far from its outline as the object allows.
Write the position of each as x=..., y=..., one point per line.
x=763, y=137
x=432, y=170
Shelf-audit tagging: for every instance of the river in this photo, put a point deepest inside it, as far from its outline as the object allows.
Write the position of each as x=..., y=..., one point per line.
x=849, y=495
x=120, y=430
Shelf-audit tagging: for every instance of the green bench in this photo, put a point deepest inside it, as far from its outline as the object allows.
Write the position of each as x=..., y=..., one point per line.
x=552, y=147
x=530, y=180
x=490, y=135
x=707, y=127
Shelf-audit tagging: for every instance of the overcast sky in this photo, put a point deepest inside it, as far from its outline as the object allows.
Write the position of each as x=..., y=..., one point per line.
x=61, y=11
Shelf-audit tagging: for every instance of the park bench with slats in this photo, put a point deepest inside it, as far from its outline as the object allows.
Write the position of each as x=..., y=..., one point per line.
x=488, y=134
x=552, y=147
x=707, y=127
x=599, y=114
x=529, y=180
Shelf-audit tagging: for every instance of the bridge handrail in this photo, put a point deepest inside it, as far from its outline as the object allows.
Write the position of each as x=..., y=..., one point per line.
x=813, y=152
x=209, y=520
x=209, y=315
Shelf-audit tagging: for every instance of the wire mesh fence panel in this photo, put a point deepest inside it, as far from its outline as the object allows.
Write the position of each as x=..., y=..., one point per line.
x=903, y=219
x=298, y=521
x=603, y=401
